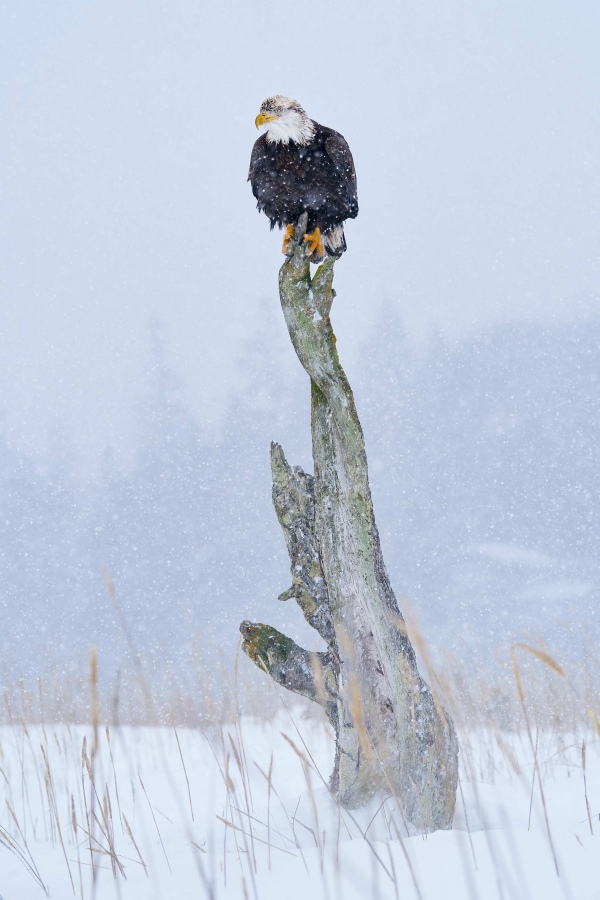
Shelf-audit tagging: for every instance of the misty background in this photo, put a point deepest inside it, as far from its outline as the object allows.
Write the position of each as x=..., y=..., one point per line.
x=145, y=365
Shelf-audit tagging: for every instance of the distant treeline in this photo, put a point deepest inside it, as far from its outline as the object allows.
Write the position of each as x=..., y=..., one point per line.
x=485, y=473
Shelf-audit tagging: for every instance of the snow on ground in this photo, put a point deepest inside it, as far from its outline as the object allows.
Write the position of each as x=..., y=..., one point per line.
x=258, y=821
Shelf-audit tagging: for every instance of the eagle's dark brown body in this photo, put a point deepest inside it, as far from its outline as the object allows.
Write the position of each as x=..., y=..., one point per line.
x=317, y=178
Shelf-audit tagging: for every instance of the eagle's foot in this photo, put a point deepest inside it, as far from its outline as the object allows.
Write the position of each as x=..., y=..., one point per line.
x=288, y=240
x=315, y=245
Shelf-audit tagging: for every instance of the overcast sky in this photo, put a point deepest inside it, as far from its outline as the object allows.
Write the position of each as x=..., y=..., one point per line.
x=126, y=131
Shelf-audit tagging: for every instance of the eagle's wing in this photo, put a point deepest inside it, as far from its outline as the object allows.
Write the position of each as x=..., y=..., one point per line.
x=257, y=153
x=339, y=153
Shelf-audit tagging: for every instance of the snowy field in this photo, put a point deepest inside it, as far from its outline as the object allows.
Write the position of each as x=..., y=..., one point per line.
x=244, y=811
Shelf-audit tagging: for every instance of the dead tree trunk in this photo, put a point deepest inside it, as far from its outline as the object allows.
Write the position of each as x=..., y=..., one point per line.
x=391, y=733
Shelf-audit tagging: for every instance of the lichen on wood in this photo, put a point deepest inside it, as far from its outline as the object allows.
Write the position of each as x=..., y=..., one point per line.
x=392, y=735
x=310, y=674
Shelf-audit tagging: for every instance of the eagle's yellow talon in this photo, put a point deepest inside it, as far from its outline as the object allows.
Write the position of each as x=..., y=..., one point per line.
x=315, y=243
x=288, y=237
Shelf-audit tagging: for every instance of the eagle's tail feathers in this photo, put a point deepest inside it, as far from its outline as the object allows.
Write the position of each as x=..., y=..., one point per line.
x=335, y=241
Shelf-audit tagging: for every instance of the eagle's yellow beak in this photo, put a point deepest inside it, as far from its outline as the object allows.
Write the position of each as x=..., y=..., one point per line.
x=262, y=118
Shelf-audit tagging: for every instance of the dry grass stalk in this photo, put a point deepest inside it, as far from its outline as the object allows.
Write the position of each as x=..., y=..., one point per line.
x=594, y=720
x=535, y=760
x=587, y=804
x=134, y=842
x=14, y=847
x=187, y=780
x=543, y=657
x=54, y=808
x=357, y=713
x=155, y=822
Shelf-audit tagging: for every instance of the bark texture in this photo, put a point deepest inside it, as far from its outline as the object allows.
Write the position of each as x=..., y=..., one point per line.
x=392, y=736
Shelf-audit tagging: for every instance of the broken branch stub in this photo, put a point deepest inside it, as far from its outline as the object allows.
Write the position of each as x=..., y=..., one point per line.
x=307, y=673
x=294, y=502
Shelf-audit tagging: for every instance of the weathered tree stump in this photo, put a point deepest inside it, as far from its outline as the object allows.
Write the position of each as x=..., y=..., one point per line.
x=392, y=735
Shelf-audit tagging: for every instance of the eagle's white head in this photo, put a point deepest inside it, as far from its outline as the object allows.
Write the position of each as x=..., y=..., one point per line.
x=285, y=120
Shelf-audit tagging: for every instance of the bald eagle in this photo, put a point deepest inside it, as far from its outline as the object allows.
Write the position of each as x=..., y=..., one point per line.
x=300, y=166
